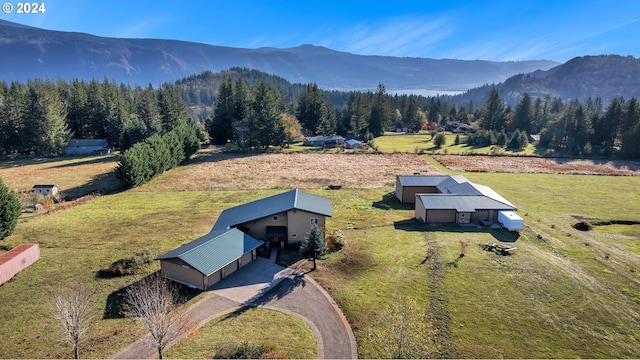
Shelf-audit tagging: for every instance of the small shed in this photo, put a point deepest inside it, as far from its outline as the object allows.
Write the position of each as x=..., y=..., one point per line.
x=17, y=259
x=46, y=190
x=87, y=147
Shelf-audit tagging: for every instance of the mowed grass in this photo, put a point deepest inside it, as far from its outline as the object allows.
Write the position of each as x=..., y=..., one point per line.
x=254, y=325
x=74, y=176
x=563, y=293
x=423, y=143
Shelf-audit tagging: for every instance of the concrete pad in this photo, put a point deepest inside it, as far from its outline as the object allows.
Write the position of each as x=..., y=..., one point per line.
x=251, y=280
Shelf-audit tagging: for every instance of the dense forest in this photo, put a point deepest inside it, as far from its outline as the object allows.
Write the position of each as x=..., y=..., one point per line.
x=256, y=110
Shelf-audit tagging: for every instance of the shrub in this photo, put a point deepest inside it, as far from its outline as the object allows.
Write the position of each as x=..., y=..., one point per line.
x=10, y=210
x=127, y=266
x=338, y=238
x=245, y=350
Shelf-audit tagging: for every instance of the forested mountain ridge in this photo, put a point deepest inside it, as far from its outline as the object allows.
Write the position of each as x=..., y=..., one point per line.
x=581, y=78
x=30, y=53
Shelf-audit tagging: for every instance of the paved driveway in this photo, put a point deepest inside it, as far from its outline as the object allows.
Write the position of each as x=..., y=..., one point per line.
x=262, y=283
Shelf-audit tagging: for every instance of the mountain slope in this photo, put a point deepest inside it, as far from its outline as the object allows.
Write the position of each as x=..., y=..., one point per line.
x=29, y=52
x=604, y=76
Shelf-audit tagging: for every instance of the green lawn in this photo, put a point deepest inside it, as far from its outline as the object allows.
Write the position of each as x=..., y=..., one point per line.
x=422, y=143
x=562, y=294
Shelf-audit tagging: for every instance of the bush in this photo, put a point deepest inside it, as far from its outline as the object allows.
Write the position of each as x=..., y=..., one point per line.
x=245, y=350
x=128, y=266
x=338, y=238
x=10, y=210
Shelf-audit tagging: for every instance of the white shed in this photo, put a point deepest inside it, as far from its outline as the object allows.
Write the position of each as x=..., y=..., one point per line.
x=510, y=220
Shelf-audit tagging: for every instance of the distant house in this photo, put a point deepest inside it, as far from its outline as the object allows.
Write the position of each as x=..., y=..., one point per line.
x=354, y=144
x=209, y=259
x=45, y=190
x=87, y=147
x=278, y=219
x=458, y=127
x=324, y=141
x=403, y=128
x=450, y=199
x=17, y=259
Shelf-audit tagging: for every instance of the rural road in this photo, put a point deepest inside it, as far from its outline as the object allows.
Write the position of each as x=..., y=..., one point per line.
x=262, y=283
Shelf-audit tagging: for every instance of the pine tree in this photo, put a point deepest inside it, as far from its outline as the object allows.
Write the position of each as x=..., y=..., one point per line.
x=493, y=113
x=311, y=110
x=220, y=127
x=523, y=115
x=10, y=210
x=314, y=245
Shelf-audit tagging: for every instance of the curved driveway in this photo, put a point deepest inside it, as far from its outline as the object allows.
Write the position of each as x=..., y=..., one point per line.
x=262, y=283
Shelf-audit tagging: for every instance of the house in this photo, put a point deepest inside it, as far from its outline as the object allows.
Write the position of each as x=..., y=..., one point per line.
x=45, y=190
x=324, y=141
x=87, y=147
x=17, y=259
x=458, y=127
x=450, y=199
x=403, y=128
x=278, y=219
x=209, y=259
x=354, y=144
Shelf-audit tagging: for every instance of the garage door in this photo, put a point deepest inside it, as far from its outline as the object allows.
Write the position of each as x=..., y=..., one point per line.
x=441, y=216
x=229, y=269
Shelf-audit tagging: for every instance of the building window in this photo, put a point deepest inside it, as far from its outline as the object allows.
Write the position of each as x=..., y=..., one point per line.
x=314, y=221
x=294, y=235
x=275, y=217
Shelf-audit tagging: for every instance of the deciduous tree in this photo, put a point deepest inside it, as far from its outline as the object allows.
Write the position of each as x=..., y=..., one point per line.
x=72, y=309
x=154, y=302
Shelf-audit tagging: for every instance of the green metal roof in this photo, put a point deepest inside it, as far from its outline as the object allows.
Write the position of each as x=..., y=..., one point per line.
x=293, y=199
x=461, y=203
x=214, y=250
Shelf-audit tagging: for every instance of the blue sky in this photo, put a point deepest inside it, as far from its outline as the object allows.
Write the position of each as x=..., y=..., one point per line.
x=498, y=30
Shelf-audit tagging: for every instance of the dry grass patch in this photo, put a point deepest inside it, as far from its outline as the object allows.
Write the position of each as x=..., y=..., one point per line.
x=509, y=164
x=225, y=171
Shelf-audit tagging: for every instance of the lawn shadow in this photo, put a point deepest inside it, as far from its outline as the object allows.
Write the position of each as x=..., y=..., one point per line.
x=115, y=300
x=88, y=160
x=502, y=235
x=390, y=201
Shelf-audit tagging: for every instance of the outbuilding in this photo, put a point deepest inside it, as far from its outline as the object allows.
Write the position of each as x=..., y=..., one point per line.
x=17, y=259
x=45, y=190
x=209, y=259
x=87, y=147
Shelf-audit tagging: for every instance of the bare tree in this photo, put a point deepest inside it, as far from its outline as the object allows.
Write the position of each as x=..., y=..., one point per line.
x=71, y=307
x=154, y=301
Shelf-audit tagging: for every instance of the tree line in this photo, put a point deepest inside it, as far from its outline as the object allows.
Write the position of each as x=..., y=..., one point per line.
x=252, y=110
x=42, y=115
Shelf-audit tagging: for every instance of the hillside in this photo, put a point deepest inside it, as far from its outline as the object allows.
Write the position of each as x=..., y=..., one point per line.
x=604, y=76
x=29, y=52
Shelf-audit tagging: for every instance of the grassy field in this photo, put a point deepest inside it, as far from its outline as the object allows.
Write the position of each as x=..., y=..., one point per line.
x=422, y=143
x=562, y=294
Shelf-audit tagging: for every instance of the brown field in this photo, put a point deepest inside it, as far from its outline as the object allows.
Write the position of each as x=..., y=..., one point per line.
x=508, y=164
x=224, y=171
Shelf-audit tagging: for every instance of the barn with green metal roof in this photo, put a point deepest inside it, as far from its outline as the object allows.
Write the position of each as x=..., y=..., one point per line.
x=210, y=258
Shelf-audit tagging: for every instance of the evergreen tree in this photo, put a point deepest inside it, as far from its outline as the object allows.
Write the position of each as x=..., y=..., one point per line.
x=493, y=113
x=266, y=125
x=148, y=111
x=220, y=127
x=440, y=140
x=241, y=114
x=314, y=245
x=311, y=110
x=10, y=210
x=523, y=115
x=379, y=118
x=48, y=118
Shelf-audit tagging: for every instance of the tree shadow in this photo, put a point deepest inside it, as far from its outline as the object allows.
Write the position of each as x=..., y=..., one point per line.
x=88, y=160
x=501, y=234
x=455, y=262
x=282, y=289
